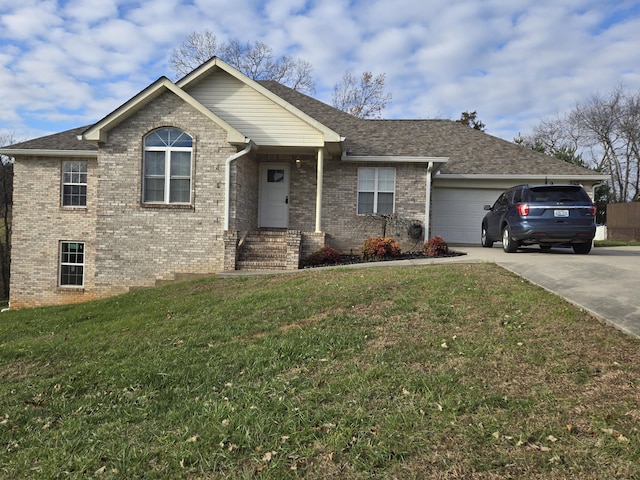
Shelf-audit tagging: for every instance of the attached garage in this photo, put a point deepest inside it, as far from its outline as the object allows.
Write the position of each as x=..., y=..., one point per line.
x=457, y=202
x=457, y=213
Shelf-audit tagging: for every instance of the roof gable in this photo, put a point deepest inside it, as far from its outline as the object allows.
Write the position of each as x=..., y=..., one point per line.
x=98, y=132
x=263, y=121
x=226, y=91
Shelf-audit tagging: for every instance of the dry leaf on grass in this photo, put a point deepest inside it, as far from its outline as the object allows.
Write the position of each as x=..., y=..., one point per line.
x=268, y=456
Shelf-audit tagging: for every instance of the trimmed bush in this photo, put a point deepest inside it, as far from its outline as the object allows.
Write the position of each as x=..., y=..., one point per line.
x=436, y=247
x=380, y=248
x=325, y=256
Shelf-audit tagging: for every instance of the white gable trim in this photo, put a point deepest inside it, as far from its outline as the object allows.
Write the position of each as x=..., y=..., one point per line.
x=98, y=132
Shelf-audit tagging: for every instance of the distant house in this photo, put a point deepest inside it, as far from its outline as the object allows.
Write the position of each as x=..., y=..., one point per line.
x=219, y=172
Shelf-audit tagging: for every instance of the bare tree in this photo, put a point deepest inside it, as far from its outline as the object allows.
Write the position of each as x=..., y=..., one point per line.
x=551, y=137
x=364, y=97
x=256, y=60
x=608, y=127
x=6, y=204
x=604, y=133
x=258, y=63
x=193, y=52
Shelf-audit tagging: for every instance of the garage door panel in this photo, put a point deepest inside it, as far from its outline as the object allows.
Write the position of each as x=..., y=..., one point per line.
x=457, y=213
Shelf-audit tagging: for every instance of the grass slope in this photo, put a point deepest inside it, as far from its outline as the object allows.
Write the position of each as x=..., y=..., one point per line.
x=453, y=371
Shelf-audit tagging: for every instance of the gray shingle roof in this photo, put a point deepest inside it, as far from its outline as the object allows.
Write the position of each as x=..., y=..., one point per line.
x=470, y=151
x=67, y=140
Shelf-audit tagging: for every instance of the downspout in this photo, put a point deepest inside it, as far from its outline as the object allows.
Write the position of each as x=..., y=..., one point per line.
x=593, y=199
x=427, y=205
x=227, y=180
x=594, y=187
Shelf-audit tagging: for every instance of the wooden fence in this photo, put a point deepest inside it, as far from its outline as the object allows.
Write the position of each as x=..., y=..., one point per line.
x=623, y=221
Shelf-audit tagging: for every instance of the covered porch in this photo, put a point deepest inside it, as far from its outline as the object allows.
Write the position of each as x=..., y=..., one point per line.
x=273, y=208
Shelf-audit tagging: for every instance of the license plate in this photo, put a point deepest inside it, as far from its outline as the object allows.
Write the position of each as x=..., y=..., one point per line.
x=561, y=213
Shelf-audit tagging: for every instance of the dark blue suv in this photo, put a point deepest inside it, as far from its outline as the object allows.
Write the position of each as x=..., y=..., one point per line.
x=541, y=214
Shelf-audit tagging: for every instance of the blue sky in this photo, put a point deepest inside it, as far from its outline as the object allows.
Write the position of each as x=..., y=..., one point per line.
x=67, y=63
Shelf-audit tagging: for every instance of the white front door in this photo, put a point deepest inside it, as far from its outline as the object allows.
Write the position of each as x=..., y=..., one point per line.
x=274, y=195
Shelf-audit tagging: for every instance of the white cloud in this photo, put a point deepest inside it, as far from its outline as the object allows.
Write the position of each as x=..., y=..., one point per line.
x=30, y=20
x=279, y=11
x=88, y=12
x=514, y=61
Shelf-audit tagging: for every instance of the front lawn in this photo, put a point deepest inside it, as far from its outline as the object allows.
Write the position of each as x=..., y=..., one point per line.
x=447, y=371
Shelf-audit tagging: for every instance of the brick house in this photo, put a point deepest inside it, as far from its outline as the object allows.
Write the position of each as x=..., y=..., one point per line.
x=219, y=172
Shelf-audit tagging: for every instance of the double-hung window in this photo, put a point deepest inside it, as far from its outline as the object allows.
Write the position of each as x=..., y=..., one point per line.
x=71, y=264
x=376, y=190
x=167, y=167
x=74, y=184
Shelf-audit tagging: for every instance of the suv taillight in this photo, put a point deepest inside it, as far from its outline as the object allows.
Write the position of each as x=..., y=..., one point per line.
x=593, y=210
x=523, y=209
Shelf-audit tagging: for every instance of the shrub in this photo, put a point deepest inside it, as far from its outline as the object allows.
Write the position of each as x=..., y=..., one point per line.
x=380, y=248
x=325, y=256
x=436, y=247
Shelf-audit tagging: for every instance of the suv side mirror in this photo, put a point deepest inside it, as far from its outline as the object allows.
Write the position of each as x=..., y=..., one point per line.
x=487, y=207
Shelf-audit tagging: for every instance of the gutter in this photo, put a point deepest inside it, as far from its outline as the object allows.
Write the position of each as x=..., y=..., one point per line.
x=519, y=177
x=41, y=152
x=427, y=205
x=390, y=159
x=227, y=172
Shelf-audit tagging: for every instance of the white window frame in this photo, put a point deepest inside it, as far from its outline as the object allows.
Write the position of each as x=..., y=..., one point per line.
x=72, y=174
x=377, y=189
x=68, y=263
x=167, y=149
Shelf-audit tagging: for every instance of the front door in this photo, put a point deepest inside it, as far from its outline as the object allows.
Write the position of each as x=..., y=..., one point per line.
x=274, y=195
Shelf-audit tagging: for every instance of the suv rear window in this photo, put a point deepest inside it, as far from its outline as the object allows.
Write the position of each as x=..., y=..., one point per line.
x=558, y=194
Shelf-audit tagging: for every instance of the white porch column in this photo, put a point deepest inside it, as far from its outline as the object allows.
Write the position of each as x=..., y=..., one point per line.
x=427, y=203
x=320, y=176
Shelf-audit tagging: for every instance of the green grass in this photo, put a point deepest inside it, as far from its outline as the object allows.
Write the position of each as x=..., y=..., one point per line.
x=451, y=371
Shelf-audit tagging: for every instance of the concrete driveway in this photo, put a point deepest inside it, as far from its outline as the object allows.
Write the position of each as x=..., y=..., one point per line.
x=605, y=282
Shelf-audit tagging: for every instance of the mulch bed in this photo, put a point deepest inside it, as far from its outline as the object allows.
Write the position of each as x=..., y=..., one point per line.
x=347, y=259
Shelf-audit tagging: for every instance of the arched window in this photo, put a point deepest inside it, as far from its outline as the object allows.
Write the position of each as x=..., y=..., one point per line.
x=167, y=167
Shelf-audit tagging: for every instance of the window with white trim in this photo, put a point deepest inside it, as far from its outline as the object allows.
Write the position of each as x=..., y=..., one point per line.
x=376, y=190
x=167, y=167
x=71, y=264
x=74, y=184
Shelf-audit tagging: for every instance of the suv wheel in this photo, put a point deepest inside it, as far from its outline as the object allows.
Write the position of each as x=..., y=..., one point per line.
x=582, y=248
x=485, y=240
x=508, y=244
